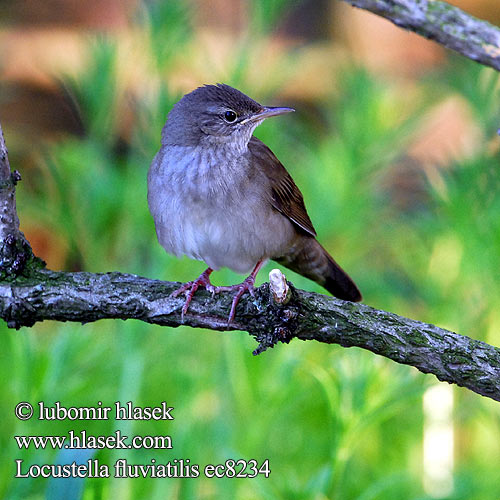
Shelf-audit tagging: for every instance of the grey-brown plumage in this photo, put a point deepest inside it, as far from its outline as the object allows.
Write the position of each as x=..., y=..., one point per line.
x=220, y=195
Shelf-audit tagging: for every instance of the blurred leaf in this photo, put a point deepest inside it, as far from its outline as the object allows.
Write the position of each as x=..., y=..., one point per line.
x=168, y=24
x=97, y=91
x=265, y=14
x=480, y=86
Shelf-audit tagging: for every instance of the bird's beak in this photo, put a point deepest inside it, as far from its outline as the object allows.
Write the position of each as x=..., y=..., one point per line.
x=267, y=112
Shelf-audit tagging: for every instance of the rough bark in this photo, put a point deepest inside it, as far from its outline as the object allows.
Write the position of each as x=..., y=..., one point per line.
x=15, y=251
x=455, y=29
x=86, y=297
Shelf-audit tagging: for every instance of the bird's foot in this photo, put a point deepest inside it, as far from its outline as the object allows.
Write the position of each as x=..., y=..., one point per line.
x=189, y=289
x=240, y=289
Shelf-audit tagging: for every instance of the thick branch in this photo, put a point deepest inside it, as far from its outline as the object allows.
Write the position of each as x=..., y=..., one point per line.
x=9, y=222
x=15, y=251
x=448, y=25
x=86, y=297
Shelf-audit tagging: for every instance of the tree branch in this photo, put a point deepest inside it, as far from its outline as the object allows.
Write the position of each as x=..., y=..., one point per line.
x=15, y=251
x=476, y=39
x=29, y=293
x=85, y=297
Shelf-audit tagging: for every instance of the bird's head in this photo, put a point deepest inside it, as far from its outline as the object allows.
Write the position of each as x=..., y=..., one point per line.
x=215, y=115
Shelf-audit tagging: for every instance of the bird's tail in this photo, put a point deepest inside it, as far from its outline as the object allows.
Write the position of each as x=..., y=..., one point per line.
x=308, y=258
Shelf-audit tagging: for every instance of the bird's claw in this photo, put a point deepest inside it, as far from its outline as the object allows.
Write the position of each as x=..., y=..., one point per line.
x=246, y=286
x=204, y=280
x=189, y=289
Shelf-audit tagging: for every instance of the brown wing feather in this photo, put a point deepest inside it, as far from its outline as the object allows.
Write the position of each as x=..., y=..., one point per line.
x=286, y=196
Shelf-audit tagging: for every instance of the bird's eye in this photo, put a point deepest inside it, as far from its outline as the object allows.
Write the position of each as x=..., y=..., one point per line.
x=230, y=116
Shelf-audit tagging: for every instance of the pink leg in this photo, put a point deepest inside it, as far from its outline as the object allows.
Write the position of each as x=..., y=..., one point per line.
x=204, y=280
x=247, y=285
x=191, y=286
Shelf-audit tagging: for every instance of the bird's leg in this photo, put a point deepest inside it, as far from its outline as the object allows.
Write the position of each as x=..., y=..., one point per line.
x=203, y=279
x=241, y=288
x=191, y=286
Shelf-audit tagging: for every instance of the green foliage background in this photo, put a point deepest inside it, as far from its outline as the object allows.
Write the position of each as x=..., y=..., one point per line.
x=334, y=423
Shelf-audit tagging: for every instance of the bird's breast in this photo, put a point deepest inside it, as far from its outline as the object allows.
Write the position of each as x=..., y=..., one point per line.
x=214, y=207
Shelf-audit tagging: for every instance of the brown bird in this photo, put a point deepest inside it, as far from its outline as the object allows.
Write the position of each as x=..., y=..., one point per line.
x=220, y=195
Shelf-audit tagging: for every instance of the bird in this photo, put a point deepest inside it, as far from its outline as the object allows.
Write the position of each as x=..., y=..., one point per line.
x=218, y=194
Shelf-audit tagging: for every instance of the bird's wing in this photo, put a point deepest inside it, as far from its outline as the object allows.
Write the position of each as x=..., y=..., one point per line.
x=285, y=196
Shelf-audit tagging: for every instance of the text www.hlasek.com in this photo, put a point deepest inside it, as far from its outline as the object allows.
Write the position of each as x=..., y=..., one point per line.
x=81, y=440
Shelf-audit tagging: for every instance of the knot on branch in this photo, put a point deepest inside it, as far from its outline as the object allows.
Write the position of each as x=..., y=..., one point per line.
x=11, y=181
x=15, y=177
x=282, y=319
x=15, y=253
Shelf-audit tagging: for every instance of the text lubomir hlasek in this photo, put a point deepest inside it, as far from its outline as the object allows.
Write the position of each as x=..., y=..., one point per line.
x=121, y=412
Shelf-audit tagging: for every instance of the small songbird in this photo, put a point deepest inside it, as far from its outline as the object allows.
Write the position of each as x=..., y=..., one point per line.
x=219, y=194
